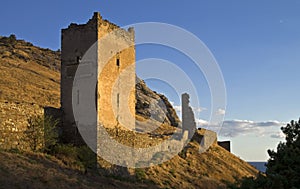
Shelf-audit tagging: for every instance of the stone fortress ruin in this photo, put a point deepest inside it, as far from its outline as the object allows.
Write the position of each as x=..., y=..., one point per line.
x=115, y=92
x=97, y=48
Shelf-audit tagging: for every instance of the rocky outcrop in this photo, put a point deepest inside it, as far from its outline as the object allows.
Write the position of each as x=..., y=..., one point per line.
x=152, y=105
x=12, y=48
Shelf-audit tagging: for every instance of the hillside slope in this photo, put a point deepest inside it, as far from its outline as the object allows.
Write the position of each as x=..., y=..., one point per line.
x=213, y=169
x=28, y=74
x=30, y=80
x=36, y=170
x=190, y=169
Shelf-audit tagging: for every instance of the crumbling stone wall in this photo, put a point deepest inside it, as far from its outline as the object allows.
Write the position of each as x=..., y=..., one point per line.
x=144, y=149
x=206, y=137
x=209, y=138
x=188, y=118
x=13, y=123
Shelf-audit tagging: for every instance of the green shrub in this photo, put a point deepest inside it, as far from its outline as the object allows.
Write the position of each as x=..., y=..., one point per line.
x=81, y=157
x=140, y=174
x=67, y=153
x=66, y=150
x=41, y=133
x=87, y=157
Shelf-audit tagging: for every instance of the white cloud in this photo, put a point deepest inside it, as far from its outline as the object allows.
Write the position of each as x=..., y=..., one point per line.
x=201, y=123
x=243, y=127
x=237, y=127
x=177, y=108
x=220, y=111
x=279, y=135
x=198, y=109
x=233, y=128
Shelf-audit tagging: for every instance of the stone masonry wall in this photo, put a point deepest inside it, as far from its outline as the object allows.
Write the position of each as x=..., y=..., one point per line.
x=188, y=118
x=113, y=57
x=75, y=42
x=13, y=122
x=116, y=82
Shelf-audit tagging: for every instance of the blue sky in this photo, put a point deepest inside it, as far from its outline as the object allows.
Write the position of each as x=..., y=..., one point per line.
x=256, y=44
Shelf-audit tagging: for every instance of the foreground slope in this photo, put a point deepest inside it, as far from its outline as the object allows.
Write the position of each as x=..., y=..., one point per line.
x=212, y=169
x=35, y=170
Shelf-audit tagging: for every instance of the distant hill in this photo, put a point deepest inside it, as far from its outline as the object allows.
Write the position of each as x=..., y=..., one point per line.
x=30, y=80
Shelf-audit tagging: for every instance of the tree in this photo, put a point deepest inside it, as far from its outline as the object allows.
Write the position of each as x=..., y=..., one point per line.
x=283, y=166
x=41, y=133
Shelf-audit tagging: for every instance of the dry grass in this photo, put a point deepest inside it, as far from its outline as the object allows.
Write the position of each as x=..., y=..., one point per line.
x=29, y=80
x=28, y=83
x=33, y=170
x=211, y=169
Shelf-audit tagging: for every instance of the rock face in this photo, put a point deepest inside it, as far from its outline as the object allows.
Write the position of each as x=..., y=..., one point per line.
x=152, y=105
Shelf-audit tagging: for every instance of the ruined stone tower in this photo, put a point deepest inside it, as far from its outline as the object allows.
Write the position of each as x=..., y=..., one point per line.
x=114, y=65
x=188, y=118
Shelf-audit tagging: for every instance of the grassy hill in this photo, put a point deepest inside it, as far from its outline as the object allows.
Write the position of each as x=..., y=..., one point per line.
x=30, y=80
x=29, y=74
